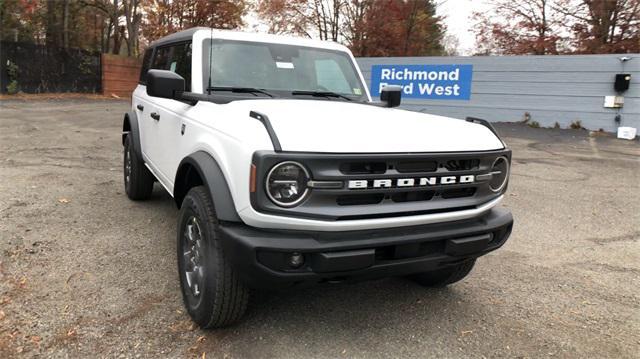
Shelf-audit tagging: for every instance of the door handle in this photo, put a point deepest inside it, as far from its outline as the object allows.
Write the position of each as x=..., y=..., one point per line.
x=140, y=107
x=155, y=116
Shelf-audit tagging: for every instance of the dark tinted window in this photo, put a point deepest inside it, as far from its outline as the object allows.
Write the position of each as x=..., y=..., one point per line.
x=146, y=62
x=176, y=58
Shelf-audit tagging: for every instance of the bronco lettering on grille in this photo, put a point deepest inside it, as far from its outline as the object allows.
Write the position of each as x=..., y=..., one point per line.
x=410, y=182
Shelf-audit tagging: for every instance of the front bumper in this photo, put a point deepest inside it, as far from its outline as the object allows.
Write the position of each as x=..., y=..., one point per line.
x=261, y=256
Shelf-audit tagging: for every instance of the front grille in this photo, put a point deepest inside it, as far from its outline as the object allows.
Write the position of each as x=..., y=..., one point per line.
x=416, y=166
x=415, y=186
x=412, y=196
x=359, y=199
x=458, y=193
x=360, y=168
x=462, y=165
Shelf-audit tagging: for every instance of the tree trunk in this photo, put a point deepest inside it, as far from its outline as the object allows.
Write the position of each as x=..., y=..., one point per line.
x=132, y=19
x=50, y=31
x=116, y=29
x=410, y=24
x=106, y=40
x=65, y=24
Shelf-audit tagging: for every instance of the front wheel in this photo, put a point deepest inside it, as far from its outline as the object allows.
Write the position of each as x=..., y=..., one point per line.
x=445, y=276
x=212, y=292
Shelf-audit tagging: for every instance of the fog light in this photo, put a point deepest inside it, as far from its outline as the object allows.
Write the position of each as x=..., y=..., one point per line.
x=296, y=260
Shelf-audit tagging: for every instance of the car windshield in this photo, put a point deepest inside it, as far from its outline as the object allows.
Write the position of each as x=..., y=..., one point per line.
x=283, y=70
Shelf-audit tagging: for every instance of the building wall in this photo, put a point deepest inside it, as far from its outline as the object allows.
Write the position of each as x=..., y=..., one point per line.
x=551, y=89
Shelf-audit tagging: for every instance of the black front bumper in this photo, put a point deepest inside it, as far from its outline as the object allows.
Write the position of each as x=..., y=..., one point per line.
x=261, y=257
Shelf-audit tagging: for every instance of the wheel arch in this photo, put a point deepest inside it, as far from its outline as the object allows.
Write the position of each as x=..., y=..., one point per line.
x=200, y=168
x=130, y=128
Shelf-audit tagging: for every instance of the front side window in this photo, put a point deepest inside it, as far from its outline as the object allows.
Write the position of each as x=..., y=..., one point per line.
x=278, y=68
x=176, y=58
x=146, y=62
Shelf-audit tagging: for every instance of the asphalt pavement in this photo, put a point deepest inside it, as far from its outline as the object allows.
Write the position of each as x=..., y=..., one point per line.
x=85, y=272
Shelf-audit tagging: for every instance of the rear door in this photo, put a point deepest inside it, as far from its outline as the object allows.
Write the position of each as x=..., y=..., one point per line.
x=142, y=103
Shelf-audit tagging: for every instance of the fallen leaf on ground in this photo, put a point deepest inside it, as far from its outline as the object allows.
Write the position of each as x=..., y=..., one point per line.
x=64, y=200
x=36, y=340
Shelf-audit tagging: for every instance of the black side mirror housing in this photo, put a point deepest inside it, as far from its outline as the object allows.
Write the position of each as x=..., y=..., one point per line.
x=390, y=95
x=164, y=84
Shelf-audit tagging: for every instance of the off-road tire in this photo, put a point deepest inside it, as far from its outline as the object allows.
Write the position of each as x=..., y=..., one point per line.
x=222, y=298
x=139, y=183
x=444, y=277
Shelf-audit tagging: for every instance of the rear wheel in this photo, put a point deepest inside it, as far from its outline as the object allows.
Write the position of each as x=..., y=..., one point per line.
x=138, y=180
x=445, y=276
x=211, y=290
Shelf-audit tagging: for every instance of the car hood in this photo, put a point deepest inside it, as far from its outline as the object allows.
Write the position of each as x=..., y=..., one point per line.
x=343, y=127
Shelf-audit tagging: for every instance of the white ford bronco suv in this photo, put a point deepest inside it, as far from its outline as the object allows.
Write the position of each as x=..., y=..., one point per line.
x=286, y=173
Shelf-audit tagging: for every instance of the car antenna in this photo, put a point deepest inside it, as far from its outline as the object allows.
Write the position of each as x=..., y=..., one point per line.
x=210, y=59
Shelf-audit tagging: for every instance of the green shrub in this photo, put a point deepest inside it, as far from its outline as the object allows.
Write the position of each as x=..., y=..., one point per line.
x=12, y=71
x=12, y=87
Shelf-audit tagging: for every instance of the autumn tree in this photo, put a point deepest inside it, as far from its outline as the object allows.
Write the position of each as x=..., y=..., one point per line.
x=115, y=26
x=63, y=23
x=398, y=28
x=20, y=20
x=167, y=16
x=312, y=18
x=368, y=27
x=355, y=25
x=422, y=31
x=602, y=26
x=518, y=28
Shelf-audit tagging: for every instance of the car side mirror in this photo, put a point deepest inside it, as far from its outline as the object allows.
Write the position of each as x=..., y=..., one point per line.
x=164, y=84
x=390, y=95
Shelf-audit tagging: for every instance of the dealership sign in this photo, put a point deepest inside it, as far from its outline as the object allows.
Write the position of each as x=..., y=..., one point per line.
x=438, y=82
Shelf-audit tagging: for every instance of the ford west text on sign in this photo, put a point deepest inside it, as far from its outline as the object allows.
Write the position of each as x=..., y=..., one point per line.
x=441, y=82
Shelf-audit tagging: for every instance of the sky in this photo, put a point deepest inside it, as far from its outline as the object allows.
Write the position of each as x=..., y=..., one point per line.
x=457, y=14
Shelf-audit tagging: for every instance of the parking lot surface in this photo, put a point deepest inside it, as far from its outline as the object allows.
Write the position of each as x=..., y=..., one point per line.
x=84, y=272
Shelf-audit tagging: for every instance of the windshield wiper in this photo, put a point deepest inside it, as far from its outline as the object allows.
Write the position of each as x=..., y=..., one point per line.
x=320, y=94
x=240, y=90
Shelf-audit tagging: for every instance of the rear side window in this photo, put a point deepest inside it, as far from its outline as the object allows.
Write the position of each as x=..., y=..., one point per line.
x=176, y=58
x=146, y=62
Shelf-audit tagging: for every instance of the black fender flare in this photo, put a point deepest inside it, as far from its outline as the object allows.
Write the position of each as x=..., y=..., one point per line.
x=213, y=178
x=130, y=128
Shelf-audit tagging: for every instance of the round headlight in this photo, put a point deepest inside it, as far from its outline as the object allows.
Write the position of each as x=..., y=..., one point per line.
x=500, y=172
x=287, y=184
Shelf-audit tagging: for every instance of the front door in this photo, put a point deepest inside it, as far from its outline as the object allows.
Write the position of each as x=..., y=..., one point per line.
x=167, y=115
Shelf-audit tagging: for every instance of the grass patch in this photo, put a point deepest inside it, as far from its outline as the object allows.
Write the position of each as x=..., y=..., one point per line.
x=576, y=125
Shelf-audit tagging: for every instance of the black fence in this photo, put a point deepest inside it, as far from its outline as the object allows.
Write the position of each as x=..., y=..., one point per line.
x=32, y=68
